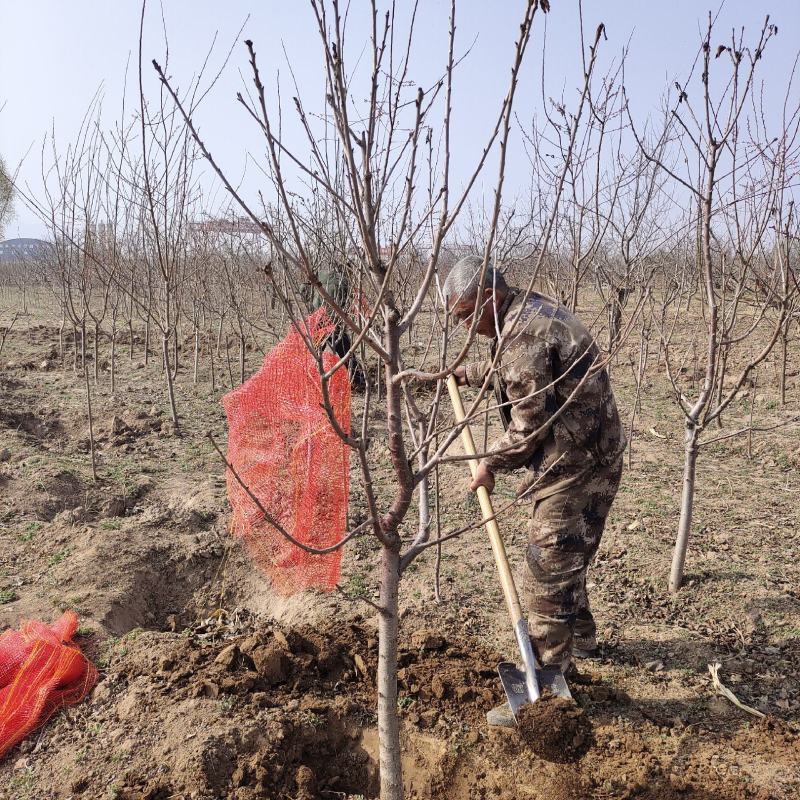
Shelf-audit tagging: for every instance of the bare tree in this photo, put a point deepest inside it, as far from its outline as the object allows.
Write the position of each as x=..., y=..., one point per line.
x=734, y=184
x=366, y=167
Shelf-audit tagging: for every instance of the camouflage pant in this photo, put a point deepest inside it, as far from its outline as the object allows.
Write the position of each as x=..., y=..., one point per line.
x=564, y=535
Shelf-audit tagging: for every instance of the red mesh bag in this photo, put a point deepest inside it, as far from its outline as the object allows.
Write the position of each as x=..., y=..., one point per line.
x=41, y=671
x=284, y=448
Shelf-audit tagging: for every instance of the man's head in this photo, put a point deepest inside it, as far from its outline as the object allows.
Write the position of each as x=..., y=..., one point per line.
x=463, y=286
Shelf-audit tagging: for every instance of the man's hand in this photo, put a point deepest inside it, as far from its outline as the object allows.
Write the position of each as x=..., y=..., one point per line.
x=483, y=477
x=459, y=373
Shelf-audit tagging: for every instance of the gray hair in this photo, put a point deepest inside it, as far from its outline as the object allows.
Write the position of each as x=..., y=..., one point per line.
x=463, y=279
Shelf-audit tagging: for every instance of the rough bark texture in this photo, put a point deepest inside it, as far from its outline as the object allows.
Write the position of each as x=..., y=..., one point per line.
x=388, y=721
x=687, y=504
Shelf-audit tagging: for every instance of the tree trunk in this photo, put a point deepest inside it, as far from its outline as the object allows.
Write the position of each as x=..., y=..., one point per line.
x=219, y=338
x=687, y=505
x=620, y=294
x=437, y=567
x=96, y=351
x=228, y=360
x=113, y=359
x=750, y=422
x=644, y=343
x=83, y=346
x=75, y=348
x=61, y=344
x=211, y=359
x=175, y=355
x=170, y=387
x=196, y=354
x=91, y=421
x=784, y=358
x=241, y=358
x=130, y=318
x=573, y=296
x=391, y=773
x=723, y=366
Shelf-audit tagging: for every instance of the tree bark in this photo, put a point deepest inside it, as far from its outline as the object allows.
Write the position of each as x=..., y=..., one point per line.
x=83, y=346
x=196, y=354
x=784, y=358
x=61, y=352
x=211, y=360
x=391, y=774
x=96, y=352
x=91, y=421
x=170, y=387
x=573, y=295
x=113, y=359
x=176, y=354
x=687, y=506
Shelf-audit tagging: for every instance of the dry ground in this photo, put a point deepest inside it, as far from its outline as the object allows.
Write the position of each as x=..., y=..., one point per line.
x=212, y=687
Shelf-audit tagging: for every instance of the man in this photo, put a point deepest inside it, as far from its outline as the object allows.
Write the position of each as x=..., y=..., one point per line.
x=335, y=283
x=562, y=424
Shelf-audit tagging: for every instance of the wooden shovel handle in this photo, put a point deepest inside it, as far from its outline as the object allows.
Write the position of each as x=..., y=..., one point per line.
x=498, y=548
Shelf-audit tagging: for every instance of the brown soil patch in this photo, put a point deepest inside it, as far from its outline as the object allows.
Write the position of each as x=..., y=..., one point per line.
x=204, y=695
x=554, y=728
x=236, y=709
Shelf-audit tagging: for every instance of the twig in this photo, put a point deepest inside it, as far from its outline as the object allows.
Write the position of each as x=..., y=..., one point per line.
x=380, y=609
x=726, y=692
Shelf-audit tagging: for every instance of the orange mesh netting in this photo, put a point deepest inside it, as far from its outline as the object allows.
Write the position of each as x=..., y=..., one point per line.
x=41, y=671
x=285, y=450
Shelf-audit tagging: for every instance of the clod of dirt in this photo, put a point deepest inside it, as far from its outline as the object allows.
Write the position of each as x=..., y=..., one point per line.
x=427, y=640
x=306, y=783
x=554, y=728
x=113, y=507
x=271, y=663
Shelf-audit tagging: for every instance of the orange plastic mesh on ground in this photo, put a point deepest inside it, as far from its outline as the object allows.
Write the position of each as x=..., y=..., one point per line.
x=41, y=671
x=284, y=448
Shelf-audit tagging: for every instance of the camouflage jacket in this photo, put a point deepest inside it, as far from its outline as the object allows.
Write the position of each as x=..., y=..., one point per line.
x=335, y=283
x=546, y=353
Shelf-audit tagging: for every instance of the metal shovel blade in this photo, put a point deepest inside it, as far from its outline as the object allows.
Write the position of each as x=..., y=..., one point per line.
x=513, y=680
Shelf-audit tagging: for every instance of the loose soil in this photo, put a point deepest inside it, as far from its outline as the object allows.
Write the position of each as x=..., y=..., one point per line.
x=234, y=708
x=554, y=728
x=213, y=687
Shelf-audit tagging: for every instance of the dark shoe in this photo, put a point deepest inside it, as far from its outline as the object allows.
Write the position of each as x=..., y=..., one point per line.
x=501, y=717
x=585, y=647
x=574, y=675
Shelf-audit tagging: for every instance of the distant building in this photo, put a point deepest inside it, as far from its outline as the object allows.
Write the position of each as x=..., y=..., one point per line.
x=24, y=250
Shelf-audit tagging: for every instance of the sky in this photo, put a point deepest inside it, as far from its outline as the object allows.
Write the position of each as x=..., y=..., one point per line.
x=56, y=56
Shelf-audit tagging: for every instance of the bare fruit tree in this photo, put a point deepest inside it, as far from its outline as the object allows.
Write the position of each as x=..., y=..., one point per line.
x=735, y=174
x=382, y=183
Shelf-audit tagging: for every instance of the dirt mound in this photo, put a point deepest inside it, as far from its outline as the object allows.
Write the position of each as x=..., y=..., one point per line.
x=235, y=708
x=245, y=711
x=42, y=427
x=554, y=728
x=267, y=713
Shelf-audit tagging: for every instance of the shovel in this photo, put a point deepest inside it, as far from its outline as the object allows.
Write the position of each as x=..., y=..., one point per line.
x=522, y=685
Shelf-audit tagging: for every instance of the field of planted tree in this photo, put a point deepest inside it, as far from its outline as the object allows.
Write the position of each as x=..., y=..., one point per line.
x=329, y=624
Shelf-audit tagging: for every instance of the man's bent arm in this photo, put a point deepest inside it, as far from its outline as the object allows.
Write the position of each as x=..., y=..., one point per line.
x=529, y=370
x=475, y=372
